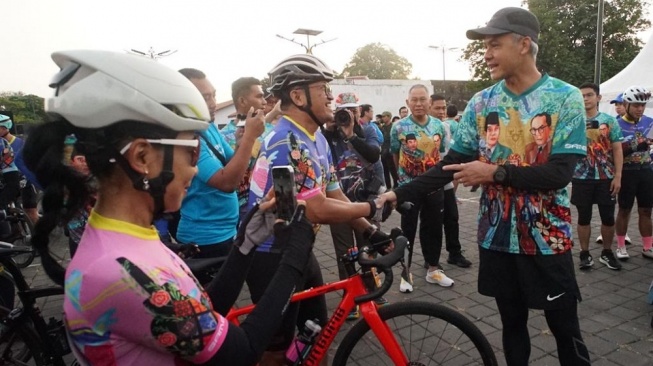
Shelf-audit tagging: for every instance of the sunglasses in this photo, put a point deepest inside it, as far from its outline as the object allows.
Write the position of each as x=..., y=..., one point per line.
x=194, y=143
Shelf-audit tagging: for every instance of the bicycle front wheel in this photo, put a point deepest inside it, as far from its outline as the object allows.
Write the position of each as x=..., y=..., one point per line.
x=429, y=334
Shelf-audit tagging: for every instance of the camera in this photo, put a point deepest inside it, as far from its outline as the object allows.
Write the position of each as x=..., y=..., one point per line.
x=342, y=118
x=592, y=125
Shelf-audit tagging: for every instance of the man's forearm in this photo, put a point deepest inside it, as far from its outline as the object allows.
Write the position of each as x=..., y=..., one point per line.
x=618, y=157
x=228, y=178
x=432, y=180
x=334, y=211
x=555, y=174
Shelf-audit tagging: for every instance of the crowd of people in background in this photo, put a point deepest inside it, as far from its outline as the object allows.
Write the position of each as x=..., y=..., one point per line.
x=350, y=167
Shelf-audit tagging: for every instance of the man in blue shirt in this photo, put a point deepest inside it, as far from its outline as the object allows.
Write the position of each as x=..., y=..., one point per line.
x=209, y=212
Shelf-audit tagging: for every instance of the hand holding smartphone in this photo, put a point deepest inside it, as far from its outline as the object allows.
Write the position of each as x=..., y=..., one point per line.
x=283, y=178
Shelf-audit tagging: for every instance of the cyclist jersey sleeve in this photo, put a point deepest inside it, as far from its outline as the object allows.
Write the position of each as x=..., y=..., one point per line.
x=131, y=301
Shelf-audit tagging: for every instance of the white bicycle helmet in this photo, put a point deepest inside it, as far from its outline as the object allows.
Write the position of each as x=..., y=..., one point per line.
x=298, y=70
x=637, y=95
x=95, y=89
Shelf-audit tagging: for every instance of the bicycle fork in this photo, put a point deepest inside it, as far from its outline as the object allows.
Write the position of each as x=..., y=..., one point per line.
x=383, y=333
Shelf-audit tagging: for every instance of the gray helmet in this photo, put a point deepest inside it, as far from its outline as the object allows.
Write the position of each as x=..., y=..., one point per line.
x=636, y=95
x=298, y=70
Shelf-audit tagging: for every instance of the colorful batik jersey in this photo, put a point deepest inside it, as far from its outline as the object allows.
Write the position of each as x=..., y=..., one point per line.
x=229, y=133
x=602, y=131
x=131, y=301
x=523, y=130
x=309, y=156
x=634, y=133
x=418, y=146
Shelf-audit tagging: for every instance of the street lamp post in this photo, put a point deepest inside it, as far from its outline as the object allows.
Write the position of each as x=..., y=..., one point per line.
x=444, y=49
x=599, y=45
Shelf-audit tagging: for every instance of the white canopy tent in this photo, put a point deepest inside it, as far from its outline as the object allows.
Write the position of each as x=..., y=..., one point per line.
x=638, y=72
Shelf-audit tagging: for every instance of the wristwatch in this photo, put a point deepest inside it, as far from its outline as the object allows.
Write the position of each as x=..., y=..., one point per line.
x=500, y=175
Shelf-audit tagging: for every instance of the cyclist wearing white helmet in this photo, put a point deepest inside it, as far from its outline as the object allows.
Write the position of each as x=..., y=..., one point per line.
x=637, y=176
x=129, y=300
x=301, y=82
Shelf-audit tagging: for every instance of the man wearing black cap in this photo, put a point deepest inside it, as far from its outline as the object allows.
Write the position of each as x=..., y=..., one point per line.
x=524, y=229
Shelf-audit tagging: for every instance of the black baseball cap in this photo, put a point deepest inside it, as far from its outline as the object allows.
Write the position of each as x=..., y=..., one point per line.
x=509, y=20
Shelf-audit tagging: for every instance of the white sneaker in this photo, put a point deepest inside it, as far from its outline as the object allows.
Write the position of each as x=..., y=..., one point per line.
x=599, y=239
x=438, y=277
x=406, y=286
x=628, y=242
x=622, y=253
x=647, y=253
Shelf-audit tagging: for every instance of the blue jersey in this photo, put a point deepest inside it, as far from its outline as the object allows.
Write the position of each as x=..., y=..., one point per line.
x=634, y=133
x=208, y=215
x=524, y=130
x=309, y=156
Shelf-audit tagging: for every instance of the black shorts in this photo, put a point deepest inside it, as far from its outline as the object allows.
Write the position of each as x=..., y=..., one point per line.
x=587, y=192
x=545, y=282
x=29, y=196
x=636, y=184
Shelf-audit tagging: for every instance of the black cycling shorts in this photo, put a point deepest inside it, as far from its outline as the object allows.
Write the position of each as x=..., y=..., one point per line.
x=587, y=192
x=545, y=282
x=636, y=184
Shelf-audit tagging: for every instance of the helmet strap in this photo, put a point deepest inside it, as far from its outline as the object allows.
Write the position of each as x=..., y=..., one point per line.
x=156, y=187
x=630, y=116
x=308, y=107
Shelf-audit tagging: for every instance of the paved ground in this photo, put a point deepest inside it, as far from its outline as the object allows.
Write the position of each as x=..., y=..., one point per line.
x=614, y=316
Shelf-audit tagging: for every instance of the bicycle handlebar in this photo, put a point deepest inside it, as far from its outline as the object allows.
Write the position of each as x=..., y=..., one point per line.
x=383, y=264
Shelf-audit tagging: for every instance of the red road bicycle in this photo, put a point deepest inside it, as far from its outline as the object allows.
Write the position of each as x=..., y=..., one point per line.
x=411, y=333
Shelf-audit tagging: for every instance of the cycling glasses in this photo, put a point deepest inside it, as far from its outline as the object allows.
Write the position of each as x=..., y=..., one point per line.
x=193, y=143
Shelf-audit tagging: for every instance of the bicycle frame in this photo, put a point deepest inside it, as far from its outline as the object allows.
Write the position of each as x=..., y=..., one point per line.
x=353, y=287
x=30, y=309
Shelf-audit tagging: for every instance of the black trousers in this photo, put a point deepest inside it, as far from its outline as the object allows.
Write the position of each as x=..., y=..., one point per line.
x=450, y=222
x=389, y=170
x=429, y=212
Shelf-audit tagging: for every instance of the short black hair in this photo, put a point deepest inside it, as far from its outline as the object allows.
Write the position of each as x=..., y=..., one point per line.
x=191, y=73
x=589, y=85
x=436, y=97
x=404, y=107
x=491, y=119
x=395, y=118
x=365, y=108
x=379, y=116
x=411, y=136
x=242, y=86
x=452, y=111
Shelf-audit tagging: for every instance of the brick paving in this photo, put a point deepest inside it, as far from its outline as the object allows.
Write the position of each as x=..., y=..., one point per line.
x=614, y=316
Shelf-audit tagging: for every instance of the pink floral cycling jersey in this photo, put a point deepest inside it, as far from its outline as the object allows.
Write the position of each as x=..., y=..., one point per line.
x=131, y=301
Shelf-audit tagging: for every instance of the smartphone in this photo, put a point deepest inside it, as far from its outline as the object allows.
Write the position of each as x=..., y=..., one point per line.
x=283, y=178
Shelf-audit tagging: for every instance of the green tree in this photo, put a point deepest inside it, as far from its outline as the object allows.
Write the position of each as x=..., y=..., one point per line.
x=568, y=38
x=26, y=108
x=377, y=61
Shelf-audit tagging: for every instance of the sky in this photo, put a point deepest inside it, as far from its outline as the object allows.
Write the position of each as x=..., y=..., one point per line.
x=231, y=39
